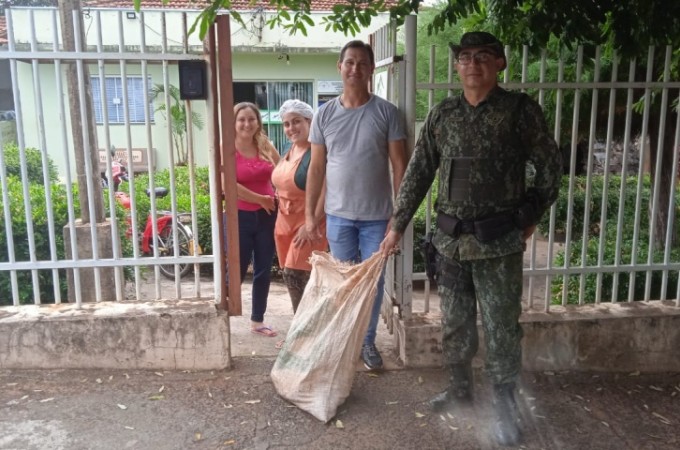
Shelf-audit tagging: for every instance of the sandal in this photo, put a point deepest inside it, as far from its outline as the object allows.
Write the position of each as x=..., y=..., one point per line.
x=264, y=330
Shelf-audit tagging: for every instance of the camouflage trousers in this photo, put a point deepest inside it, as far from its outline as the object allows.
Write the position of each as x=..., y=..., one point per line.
x=496, y=284
x=295, y=280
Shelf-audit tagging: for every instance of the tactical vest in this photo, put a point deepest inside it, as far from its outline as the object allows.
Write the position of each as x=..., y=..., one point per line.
x=482, y=157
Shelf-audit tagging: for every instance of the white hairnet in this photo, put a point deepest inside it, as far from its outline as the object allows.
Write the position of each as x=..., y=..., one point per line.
x=296, y=107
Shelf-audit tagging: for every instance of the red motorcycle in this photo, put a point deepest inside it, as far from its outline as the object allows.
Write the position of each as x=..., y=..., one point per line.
x=164, y=240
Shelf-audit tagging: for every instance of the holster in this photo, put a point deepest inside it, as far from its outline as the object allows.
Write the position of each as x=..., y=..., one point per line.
x=429, y=256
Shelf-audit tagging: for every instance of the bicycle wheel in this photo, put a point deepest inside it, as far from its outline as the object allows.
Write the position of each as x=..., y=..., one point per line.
x=166, y=247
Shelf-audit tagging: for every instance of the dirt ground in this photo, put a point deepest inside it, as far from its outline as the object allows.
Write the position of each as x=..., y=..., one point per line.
x=239, y=409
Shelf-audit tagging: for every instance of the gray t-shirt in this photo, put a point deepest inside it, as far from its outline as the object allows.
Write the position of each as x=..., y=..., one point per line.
x=358, y=185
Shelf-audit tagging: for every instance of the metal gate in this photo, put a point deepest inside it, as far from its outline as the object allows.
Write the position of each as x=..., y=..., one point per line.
x=129, y=57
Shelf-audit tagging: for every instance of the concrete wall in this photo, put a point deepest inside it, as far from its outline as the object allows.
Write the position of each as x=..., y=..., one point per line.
x=172, y=335
x=621, y=337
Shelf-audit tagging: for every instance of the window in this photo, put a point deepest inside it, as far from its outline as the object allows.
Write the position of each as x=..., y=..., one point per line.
x=269, y=96
x=114, y=99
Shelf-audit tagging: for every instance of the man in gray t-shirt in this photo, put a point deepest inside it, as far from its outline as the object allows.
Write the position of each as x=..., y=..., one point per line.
x=354, y=139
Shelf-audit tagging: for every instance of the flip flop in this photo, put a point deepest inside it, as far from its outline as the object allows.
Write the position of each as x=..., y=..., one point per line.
x=264, y=330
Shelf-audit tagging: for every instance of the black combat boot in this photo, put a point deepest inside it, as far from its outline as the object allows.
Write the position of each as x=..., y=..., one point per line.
x=458, y=393
x=506, y=423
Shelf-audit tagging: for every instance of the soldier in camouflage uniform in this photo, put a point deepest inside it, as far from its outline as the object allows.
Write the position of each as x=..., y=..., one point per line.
x=481, y=142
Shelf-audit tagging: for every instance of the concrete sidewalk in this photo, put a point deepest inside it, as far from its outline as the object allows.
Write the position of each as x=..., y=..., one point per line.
x=279, y=316
x=239, y=409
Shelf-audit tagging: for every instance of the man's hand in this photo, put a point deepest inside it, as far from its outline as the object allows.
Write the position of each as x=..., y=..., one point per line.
x=390, y=245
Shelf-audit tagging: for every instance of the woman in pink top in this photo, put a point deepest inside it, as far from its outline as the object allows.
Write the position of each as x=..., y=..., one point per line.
x=256, y=158
x=293, y=246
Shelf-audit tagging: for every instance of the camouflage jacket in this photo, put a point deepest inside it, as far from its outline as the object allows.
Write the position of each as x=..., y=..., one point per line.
x=505, y=131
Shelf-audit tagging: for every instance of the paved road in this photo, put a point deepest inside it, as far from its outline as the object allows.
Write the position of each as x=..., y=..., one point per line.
x=239, y=409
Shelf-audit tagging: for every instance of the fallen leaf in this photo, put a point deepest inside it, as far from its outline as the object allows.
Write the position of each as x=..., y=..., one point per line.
x=127, y=377
x=373, y=375
x=159, y=374
x=391, y=403
x=469, y=427
x=229, y=442
x=442, y=417
x=46, y=400
x=656, y=388
x=99, y=380
x=252, y=402
x=227, y=378
x=549, y=372
x=227, y=406
x=422, y=424
x=161, y=389
x=123, y=407
x=450, y=416
x=253, y=353
x=453, y=428
x=129, y=428
x=586, y=408
x=634, y=374
x=12, y=384
x=419, y=415
x=605, y=424
x=339, y=424
x=209, y=394
x=24, y=397
x=197, y=436
x=420, y=380
x=157, y=397
x=110, y=377
x=539, y=416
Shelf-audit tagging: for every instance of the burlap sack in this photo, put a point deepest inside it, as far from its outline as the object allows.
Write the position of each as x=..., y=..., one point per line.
x=316, y=366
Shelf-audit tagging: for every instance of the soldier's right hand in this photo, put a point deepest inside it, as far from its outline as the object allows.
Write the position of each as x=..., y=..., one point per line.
x=390, y=245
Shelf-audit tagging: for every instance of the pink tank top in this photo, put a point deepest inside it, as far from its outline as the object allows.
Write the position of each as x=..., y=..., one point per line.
x=254, y=174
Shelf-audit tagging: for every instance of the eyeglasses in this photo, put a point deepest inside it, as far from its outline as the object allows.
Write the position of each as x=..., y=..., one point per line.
x=479, y=57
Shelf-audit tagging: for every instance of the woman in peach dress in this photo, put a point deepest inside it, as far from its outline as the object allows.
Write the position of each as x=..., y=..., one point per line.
x=293, y=246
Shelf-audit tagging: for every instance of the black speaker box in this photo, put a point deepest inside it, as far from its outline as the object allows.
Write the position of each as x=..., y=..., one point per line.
x=192, y=80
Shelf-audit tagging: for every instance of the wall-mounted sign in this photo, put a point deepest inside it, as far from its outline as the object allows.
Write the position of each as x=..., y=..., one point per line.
x=329, y=87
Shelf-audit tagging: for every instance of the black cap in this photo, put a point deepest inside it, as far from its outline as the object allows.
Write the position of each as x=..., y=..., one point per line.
x=477, y=39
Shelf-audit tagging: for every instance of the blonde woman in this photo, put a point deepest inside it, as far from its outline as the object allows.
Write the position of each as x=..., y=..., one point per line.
x=256, y=158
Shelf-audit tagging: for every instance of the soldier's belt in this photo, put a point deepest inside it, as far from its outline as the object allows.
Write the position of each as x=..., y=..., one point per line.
x=485, y=229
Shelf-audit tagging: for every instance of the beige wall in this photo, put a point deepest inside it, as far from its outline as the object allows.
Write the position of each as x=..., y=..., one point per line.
x=312, y=59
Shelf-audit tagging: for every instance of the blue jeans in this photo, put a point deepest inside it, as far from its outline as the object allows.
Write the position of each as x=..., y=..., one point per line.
x=256, y=243
x=356, y=241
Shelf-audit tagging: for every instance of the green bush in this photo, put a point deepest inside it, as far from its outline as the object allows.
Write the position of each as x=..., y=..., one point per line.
x=34, y=166
x=595, y=204
x=612, y=232
x=41, y=235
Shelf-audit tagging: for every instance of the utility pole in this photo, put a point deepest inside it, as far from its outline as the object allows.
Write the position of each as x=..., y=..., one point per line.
x=84, y=146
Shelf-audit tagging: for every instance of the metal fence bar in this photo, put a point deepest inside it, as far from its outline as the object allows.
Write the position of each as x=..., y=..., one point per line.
x=670, y=229
x=132, y=190
x=47, y=182
x=657, y=175
x=115, y=235
x=589, y=175
x=643, y=152
x=24, y=173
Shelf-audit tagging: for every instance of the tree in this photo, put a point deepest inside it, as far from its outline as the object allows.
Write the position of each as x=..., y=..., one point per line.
x=178, y=120
x=629, y=27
